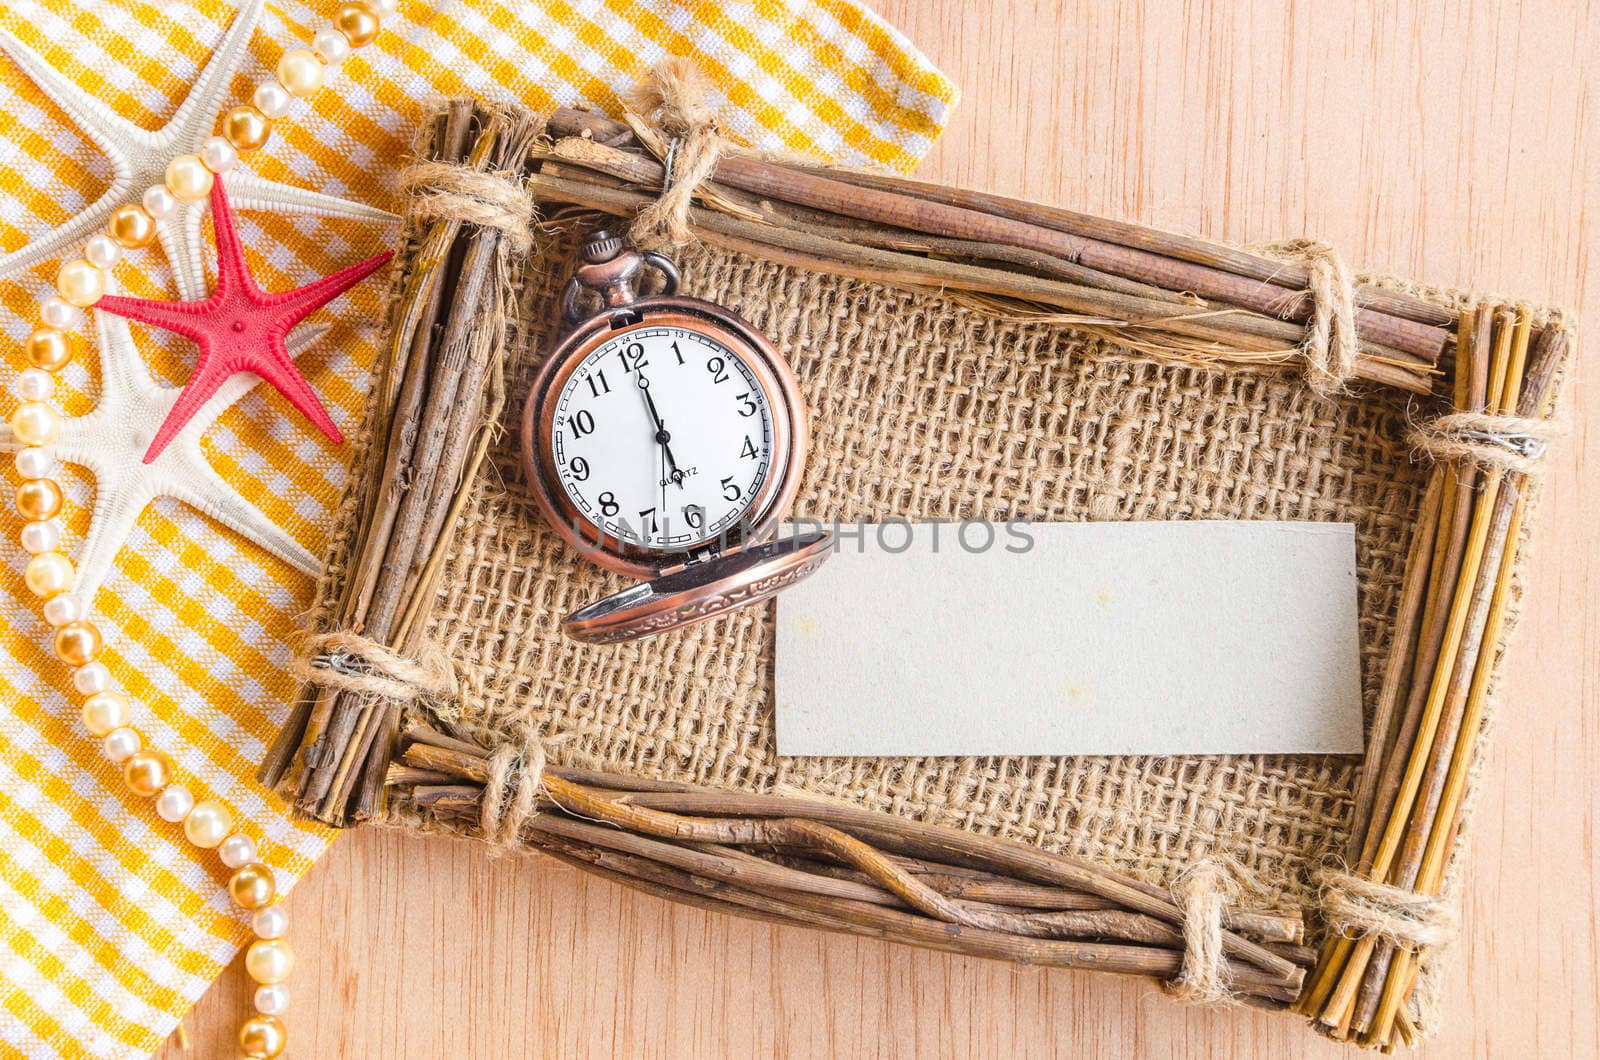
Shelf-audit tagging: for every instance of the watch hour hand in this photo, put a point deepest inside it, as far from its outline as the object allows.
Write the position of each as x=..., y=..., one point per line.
x=662, y=434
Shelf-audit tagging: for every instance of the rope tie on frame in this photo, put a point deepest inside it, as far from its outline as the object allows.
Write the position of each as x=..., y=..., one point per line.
x=1483, y=441
x=449, y=191
x=1202, y=892
x=349, y=662
x=1331, y=345
x=1356, y=907
x=511, y=792
x=669, y=115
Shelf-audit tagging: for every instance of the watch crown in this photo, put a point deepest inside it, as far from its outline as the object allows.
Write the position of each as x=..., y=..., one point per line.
x=602, y=246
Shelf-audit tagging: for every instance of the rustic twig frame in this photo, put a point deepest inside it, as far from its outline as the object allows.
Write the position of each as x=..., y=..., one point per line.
x=381, y=730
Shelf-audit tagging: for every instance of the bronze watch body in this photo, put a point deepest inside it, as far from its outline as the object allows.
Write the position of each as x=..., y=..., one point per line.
x=664, y=438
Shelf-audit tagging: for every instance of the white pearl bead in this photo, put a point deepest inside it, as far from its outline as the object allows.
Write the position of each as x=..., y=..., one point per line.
x=91, y=678
x=188, y=179
x=60, y=313
x=272, y=99
x=102, y=251
x=331, y=46
x=269, y=961
x=218, y=155
x=300, y=72
x=59, y=610
x=81, y=283
x=105, y=712
x=35, y=384
x=158, y=201
x=35, y=423
x=40, y=537
x=237, y=850
x=174, y=803
x=35, y=461
x=271, y=922
x=208, y=823
x=121, y=744
x=48, y=573
x=272, y=1000
x=385, y=8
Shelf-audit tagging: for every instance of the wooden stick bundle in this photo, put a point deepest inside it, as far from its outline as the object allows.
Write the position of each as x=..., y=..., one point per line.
x=1452, y=611
x=1165, y=294
x=832, y=866
x=439, y=395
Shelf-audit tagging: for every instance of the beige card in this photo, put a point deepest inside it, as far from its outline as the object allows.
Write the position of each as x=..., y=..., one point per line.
x=1074, y=639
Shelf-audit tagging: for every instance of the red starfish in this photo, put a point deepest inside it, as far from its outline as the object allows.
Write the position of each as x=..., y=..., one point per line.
x=240, y=328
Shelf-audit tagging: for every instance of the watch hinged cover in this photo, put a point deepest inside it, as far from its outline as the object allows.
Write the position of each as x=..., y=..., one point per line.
x=746, y=574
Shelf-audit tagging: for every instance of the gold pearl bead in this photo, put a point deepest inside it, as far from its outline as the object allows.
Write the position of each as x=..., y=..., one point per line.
x=38, y=499
x=300, y=71
x=131, y=227
x=252, y=886
x=105, y=711
x=269, y=961
x=208, y=824
x=246, y=128
x=188, y=178
x=263, y=1037
x=51, y=349
x=358, y=22
x=48, y=574
x=80, y=283
x=35, y=423
x=77, y=643
x=146, y=773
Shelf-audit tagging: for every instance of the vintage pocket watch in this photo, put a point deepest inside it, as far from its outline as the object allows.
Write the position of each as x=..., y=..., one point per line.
x=664, y=438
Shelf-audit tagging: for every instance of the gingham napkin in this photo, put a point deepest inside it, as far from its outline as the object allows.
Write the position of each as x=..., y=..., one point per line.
x=110, y=926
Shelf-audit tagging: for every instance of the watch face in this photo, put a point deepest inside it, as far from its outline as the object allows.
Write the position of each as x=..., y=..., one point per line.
x=662, y=437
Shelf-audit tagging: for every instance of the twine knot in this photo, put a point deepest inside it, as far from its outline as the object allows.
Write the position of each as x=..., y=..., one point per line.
x=449, y=191
x=1355, y=906
x=669, y=115
x=511, y=792
x=1202, y=891
x=350, y=662
x=1484, y=441
x=1330, y=347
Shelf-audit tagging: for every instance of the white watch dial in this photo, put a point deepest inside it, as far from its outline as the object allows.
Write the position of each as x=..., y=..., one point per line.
x=663, y=438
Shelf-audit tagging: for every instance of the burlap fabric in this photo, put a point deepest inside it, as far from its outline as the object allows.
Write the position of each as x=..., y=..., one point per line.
x=923, y=409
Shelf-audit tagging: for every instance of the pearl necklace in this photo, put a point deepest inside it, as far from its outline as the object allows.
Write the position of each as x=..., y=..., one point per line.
x=107, y=714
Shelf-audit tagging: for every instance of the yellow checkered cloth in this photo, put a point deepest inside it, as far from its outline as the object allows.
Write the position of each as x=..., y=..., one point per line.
x=110, y=925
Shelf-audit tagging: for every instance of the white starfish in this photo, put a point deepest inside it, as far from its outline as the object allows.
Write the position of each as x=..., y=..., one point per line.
x=111, y=440
x=139, y=159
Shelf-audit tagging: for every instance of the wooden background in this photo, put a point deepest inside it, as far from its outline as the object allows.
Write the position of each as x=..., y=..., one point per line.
x=1452, y=143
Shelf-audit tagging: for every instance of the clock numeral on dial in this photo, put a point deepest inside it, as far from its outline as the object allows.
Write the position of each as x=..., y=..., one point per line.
x=749, y=450
x=632, y=357
x=582, y=423
x=695, y=516
x=599, y=387
x=647, y=521
x=579, y=468
x=747, y=406
x=677, y=352
x=718, y=369
x=608, y=503
x=730, y=489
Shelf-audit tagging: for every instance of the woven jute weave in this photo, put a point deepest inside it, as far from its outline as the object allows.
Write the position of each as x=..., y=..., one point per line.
x=923, y=409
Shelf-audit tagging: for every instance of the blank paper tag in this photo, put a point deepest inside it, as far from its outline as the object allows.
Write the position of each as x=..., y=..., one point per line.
x=1074, y=638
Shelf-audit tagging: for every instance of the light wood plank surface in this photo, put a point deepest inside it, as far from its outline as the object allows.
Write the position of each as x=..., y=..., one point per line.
x=1456, y=143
